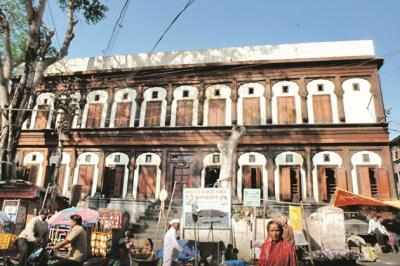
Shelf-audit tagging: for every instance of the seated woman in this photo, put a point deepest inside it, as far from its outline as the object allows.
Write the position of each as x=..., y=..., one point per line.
x=148, y=249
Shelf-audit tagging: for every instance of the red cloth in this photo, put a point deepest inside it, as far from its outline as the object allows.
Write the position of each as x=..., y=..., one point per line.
x=281, y=253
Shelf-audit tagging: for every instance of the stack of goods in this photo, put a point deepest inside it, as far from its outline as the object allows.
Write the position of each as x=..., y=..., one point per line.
x=100, y=243
x=7, y=240
x=110, y=219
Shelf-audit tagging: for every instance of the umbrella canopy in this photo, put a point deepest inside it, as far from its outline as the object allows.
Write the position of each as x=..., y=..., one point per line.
x=345, y=198
x=89, y=216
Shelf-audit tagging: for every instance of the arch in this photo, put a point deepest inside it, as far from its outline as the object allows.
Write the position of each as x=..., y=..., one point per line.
x=46, y=98
x=324, y=158
x=358, y=101
x=363, y=158
x=252, y=90
x=36, y=158
x=96, y=97
x=296, y=159
x=322, y=87
x=149, y=96
x=124, y=96
x=192, y=94
x=278, y=91
x=252, y=159
x=212, y=159
x=216, y=92
x=147, y=159
x=120, y=159
x=88, y=158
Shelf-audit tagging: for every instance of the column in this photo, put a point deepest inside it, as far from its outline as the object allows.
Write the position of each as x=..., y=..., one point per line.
x=339, y=95
x=202, y=92
x=347, y=165
x=310, y=192
x=378, y=99
x=271, y=175
x=303, y=98
x=139, y=101
x=234, y=95
x=170, y=96
x=268, y=100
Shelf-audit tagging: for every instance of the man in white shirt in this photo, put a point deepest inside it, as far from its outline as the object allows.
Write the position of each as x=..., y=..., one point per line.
x=375, y=227
x=171, y=245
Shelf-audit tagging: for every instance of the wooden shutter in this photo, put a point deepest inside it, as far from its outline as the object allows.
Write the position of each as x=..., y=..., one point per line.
x=94, y=115
x=286, y=110
x=251, y=110
x=85, y=178
x=118, y=181
x=33, y=173
x=341, y=178
x=383, y=184
x=42, y=117
x=323, y=193
x=147, y=182
x=61, y=177
x=123, y=114
x=246, y=170
x=322, y=108
x=216, y=112
x=184, y=113
x=363, y=180
x=153, y=114
x=285, y=191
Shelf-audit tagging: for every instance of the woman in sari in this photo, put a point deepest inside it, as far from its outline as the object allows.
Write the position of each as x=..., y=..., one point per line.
x=275, y=251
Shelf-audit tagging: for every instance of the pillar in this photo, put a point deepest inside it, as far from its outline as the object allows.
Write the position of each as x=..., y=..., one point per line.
x=339, y=95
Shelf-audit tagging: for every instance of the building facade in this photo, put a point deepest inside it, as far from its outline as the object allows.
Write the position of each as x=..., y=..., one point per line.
x=313, y=113
x=395, y=146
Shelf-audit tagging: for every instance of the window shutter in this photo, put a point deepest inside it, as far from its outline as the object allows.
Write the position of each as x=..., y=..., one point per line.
x=147, y=182
x=323, y=193
x=153, y=114
x=322, y=108
x=246, y=177
x=85, y=178
x=285, y=191
x=286, y=110
x=251, y=110
x=119, y=180
x=184, y=113
x=94, y=115
x=341, y=178
x=42, y=117
x=33, y=173
x=123, y=114
x=61, y=177
x=363, y=180
x=383, y=184
x=216, y=112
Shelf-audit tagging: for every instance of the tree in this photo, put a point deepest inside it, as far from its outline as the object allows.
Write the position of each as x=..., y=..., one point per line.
x=26, y=51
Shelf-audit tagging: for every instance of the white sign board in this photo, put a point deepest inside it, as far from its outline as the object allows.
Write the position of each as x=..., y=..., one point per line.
x=10, y=207
x=212, y=206
x=252, y=197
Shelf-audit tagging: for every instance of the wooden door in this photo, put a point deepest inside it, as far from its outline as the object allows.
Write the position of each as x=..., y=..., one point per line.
x=322, y=181
x=61, y=177
x=123, y=114
x=153, y=114
x=42, y=117
x=286, y=110
x=251, y=111
x=33, y=172
x=364, y=181
x=147, y=182
x=85, y=179
x=94, y=115
x=383, y=184
x=285, y=187
x=322, y=108
x=341, y=178
x=216, y=112
x=295, y=183
x=113, y=181
x=184, y=113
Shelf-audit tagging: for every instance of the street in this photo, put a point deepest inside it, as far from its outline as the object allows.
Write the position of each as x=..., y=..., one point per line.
x=385, y=259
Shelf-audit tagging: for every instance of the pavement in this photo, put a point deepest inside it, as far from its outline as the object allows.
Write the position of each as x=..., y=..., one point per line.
x=387, y=259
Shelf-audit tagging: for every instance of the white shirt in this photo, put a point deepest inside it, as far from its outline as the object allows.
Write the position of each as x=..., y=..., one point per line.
x=171, y=247
x=372, y=226
x=35, y=231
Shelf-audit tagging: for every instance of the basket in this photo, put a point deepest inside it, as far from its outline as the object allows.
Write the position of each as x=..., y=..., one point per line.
x=7, y=240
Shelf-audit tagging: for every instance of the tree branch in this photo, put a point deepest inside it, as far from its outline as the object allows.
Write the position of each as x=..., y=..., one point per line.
x=5, y=32
x=69, y=34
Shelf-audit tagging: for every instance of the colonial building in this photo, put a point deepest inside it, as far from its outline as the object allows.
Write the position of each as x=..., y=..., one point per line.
x=395, y=145
x=313, y=113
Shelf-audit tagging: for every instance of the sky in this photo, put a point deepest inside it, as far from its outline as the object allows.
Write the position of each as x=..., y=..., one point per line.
x=229, y=23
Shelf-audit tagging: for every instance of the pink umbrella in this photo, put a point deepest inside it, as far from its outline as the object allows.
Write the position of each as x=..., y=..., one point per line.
x=89, y=216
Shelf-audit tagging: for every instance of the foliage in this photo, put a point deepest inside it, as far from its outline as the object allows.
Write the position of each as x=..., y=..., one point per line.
x=92, y=10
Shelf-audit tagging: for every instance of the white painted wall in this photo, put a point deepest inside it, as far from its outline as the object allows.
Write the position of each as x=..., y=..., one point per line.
x=359, y=105
x=41, y=101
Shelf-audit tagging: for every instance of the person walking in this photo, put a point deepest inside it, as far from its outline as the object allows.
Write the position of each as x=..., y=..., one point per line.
x=275, y=251
x=34, y=235
x=171, y=245
x=77, y=238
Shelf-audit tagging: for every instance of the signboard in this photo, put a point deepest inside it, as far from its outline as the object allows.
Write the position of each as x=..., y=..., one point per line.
x=296, y=218
x=212, y=206
x=252, y=197
x=10, y=207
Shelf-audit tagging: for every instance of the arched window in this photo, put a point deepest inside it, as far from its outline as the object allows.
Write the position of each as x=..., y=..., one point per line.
x=369, y=178
x=211, y=169
x=217, y=106
x=154, y=108
x=147, y=177
x=87, y=173
x=123, y=109
x=43, y=111
x=34, y=169
x=290, y=177
x=252, y=173
x=286, y=103
x=185, y=106
x=358, y=101
x=251, y=106
x=94, y=115
x=322, y=102
x=327, y=175
x=115, y=181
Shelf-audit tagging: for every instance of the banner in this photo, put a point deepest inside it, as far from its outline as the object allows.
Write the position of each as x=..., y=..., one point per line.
x=211, y=207
x=296, y=218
